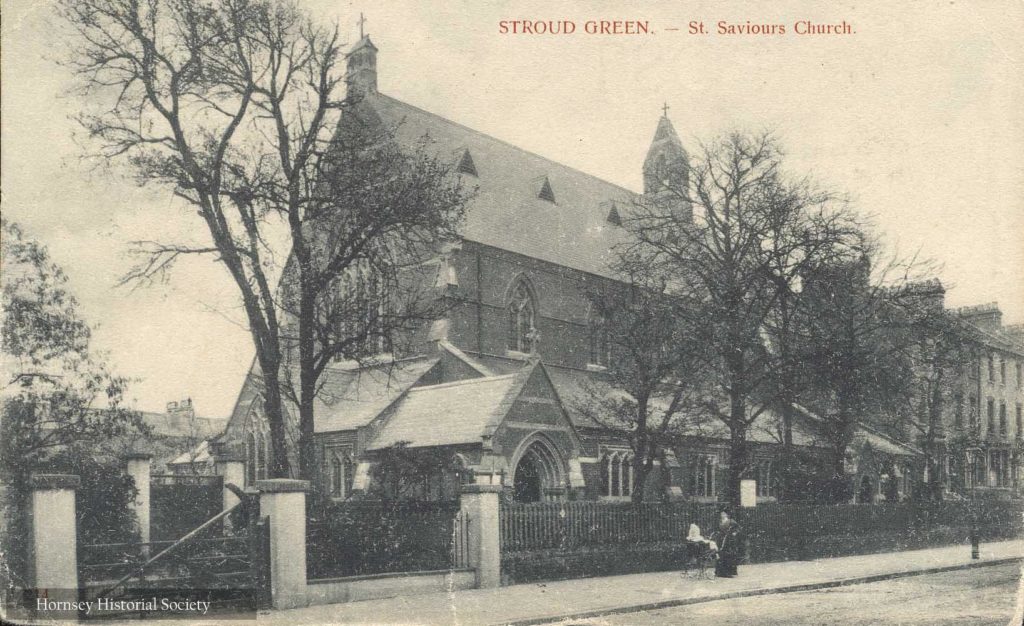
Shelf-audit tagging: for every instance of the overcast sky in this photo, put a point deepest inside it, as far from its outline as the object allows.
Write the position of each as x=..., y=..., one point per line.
x=918, y=115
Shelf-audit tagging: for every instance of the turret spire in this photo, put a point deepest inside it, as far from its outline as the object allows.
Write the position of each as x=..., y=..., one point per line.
x=666, y=168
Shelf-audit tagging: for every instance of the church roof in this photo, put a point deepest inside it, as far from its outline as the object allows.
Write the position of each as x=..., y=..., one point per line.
x=511, y=208
x=450, y=413
x=350, y=398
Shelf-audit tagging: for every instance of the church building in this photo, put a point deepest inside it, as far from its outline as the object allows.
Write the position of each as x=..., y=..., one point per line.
x=499, y=383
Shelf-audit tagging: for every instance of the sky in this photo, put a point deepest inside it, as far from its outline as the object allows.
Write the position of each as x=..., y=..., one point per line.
x=917, y=115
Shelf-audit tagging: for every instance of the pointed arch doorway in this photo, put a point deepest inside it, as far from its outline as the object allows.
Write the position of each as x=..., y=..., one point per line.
x=539, y=472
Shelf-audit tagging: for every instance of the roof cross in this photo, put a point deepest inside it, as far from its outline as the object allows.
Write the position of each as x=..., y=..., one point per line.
x=664, y=110
x=362, y=20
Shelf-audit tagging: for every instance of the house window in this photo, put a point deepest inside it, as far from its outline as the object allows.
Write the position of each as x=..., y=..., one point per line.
x=958, y=411
x=996, y=460
x=340, y=472
x=600, y=349
x=521, y=319
x=1018, y=374
x=991, y=368
x=1002, y=370
x=1019, y=423
x=704, y=477
x=1002, y=419
x=617, y=474
x=991, y=416
x=973, y=415
x=764, y=478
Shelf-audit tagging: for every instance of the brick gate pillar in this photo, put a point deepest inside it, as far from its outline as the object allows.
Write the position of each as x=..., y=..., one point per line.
x=481, y=504
x=284, y=501
x=55, y=540
x=139, y=467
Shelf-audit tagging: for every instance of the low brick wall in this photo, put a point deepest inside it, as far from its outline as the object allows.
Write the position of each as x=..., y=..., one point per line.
x=353, y=588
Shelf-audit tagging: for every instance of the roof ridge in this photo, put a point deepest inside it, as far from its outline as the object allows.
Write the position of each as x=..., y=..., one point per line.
x=510, y=145
x=467, y=381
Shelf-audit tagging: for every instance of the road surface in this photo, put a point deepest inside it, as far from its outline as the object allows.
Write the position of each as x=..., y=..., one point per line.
x=985, y=595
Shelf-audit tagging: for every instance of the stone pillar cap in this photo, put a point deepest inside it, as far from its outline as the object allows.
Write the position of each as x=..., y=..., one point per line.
x=55, y=481
x=282, y=485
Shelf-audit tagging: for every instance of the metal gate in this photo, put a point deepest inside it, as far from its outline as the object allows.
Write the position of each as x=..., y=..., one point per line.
x=227, y=568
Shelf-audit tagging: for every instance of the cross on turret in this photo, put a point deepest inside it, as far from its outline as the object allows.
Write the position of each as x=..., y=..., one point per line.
x=362, y=20
x=664, y=110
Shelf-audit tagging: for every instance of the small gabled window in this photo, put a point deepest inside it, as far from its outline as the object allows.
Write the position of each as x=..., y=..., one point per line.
x=466, y=164
x=545, y=192
x=613, y=217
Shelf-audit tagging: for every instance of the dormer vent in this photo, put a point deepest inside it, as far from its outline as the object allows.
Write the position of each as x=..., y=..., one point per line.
x=613, y=216
x=546, y=192
x=466, y=164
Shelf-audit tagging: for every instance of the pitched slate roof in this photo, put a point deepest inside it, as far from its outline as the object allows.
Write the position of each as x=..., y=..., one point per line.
x=505, y=211
x=350, y=398
x=450, y=413
x=178, y=425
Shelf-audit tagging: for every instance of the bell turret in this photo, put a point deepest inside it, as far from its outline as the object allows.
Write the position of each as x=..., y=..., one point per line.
x=667, y=167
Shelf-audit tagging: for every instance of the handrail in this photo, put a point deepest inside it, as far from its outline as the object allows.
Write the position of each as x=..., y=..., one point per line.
x=167, y=550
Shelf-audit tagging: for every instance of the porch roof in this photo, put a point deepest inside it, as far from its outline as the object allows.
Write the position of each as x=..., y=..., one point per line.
x=450, y=413
x=350, y=398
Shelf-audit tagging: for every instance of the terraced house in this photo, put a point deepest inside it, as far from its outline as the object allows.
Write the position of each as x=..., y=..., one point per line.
x=986, y=424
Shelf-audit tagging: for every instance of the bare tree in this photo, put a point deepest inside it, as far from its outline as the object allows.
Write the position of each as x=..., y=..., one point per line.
x=651, y=351
x=233, y=105
x=739, y=256
x=853, y=347
x=939, y=348
x=368, y=256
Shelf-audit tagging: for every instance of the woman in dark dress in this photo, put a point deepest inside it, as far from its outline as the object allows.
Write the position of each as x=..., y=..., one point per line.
x=730, y=546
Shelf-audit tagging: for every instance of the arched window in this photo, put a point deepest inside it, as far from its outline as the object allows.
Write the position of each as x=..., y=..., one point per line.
x=765, y=486
x=617, y=473
x=340, y=471
x=704, y=477
x=600, y=346
x=521, y=318
x=257, y=459
x=336, y=473
x=606, y=475
x=358, y=313
x=265, y=455
x=250, y=458
x=348, y=467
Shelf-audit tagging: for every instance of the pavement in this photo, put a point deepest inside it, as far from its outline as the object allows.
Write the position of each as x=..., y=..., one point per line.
x=541, y=603
x=544, y=603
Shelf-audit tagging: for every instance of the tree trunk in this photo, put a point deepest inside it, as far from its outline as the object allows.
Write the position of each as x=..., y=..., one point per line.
x=272, y=406
x=307, y=385
x=737, y=448
x=788, y=462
